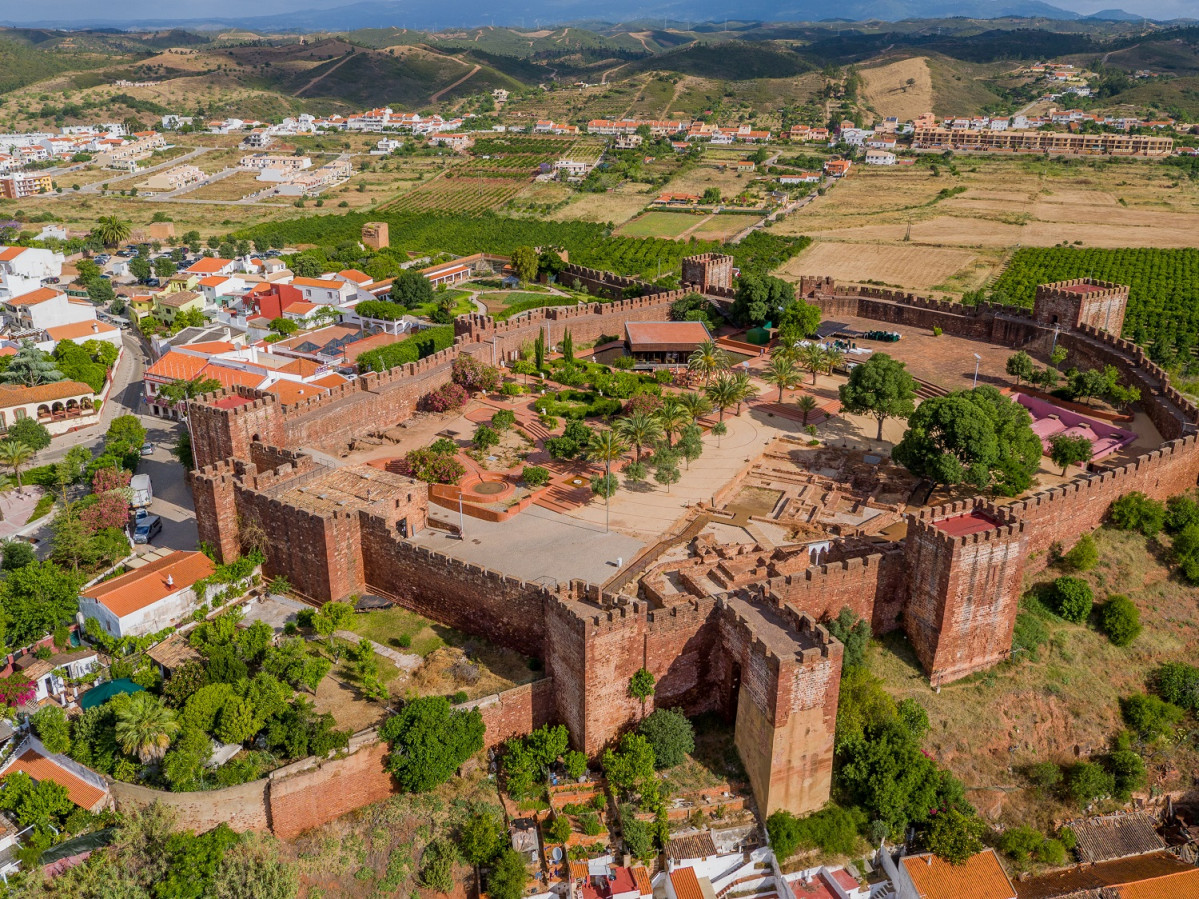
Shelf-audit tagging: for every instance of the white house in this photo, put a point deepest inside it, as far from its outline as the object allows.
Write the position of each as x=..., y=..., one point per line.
x=83, y=331
x=48, y=307
x=61, y=406
x=327, y=291
x=47, y=674
x=30, y=262
x=146, y=600
x=879, y=157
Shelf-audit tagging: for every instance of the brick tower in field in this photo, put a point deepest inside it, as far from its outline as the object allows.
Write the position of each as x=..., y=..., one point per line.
x=708, y=270
x=1082, y=302
x=964, y=565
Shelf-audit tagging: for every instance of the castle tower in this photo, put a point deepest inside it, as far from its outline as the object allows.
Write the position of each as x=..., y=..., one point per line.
x=708, y=270
x=375, y=236
x=1082, y=301
x=964, y=570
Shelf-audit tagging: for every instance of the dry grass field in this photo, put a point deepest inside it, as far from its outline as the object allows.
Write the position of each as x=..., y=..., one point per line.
x=903, y=265
x=886, y=88
x=1005, y=203
x=660, y=224
x=615, y=206
x=234, y=187
x=722, y=227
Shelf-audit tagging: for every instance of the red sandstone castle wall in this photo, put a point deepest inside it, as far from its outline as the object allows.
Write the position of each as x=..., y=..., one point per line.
x=873, y=586
x=503, y=609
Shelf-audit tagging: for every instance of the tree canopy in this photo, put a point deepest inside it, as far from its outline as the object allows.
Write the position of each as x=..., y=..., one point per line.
x=429, y=739
x=976, y=437
x=760, y=299
x=881, y=387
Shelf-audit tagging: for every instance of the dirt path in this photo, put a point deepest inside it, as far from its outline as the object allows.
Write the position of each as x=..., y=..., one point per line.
x=604, y=77
x=329, y=71
x=437, y=96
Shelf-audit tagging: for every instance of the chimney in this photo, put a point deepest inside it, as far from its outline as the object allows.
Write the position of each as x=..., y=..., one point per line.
x=95, y=328
x=170, y=580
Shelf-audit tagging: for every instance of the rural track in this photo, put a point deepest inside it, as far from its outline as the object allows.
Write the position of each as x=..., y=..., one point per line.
x=329, y=71
x=445, y=90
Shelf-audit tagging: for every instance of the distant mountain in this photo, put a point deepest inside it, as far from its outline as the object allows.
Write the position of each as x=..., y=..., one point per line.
x=526, y=13
x=1113, y=15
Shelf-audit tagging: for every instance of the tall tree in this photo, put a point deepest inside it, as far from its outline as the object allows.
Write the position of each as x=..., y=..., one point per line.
x=1070, y=449
x=881, y=387
x=782, y=373
x=798, y=322
x=723, y=393
x=525, y=263
x=672, y=416
x=744, y=389
x=30, y=366
x=111, y=230
x=811, y=356
x=13, y=455
x=606, y=447
x=760, y=299
x=708, y=360
x=696, y=404
x=641, y=429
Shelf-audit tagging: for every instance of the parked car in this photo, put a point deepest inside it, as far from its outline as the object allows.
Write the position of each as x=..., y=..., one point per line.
x=147, y=529
x=147, y=449
x=51, y=280
x=143, y=491
x=153, y=282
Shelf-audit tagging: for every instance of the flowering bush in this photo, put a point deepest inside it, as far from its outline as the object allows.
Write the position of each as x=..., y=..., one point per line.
x=16, y=689
x=106, y=479
x=110, y=510
x=471, y=374
x=643, y=402
x=446, y=398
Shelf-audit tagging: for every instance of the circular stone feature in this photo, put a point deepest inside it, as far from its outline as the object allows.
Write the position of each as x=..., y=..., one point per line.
x=489, y=488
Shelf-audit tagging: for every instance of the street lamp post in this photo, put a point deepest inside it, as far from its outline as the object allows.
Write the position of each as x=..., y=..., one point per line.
x=977, y=359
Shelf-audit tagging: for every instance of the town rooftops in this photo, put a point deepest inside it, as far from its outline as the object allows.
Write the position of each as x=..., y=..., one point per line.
x=176, y=367
x=137, y=589
x=14, y=395
x=813, y=888
x=290, y=392
x=34, y=297
x=355, y=277
x=8, y=254
x=326, y=283
x=980, y=877
x=177, y=299
x=209, y=265
x=1107, y=837
x=686, y=884
x=1155, y=875
x=696, y=845
x=40, y=765
x=81, y=330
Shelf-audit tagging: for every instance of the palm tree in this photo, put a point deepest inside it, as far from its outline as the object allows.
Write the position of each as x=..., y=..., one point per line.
x=833, y=356
x=111, y=230
x=745, y=389
x=606, y=447
x=708, y=359
x=723, y=393
x=672, y=416
x=145, y=727
x=640, y=429
x=812, y=358
x=696, y=404
x=782, y=373
x=14, y=454
x=807, y=405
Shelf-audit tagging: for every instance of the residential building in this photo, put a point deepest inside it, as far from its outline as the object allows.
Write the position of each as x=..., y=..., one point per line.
x=172, y=179
x=85, y=788
x=148, y=599
x=89, y=329
x=879, y=157
x=678, y=199
x=168, y=305
x=386, y=145
x=20, y=185
x=211, y=265
x=327, y=291
x=313, y=182
x=48, y=307
x=571, y=169
x=49, y=676
x=926, y=876
x=801, y=178
x=275, y=167
x=1155, y=875
x=837, y=168
x=61, y=406
x=30, y=262
x=1052, y=142
x=216, y=286
x=448, y=273
x=257, y=139
x=628, y=141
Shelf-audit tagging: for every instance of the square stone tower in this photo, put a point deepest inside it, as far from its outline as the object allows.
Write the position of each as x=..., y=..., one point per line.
x=1082, y=301
x=374, y=235
x=708, y=270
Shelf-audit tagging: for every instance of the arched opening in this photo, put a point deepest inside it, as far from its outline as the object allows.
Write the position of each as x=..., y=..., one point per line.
x=43, y=411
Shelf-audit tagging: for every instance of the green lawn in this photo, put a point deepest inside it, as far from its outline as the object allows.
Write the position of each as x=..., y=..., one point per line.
x=659, y=224
x=388, y=626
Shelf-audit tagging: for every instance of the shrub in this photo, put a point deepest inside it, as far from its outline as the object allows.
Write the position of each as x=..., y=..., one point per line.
x=511, y=388
x=1045, y=776
x=485, y=438
x=1084, y=556
x=1072, y=599
x=1185, y=552
x=1181, y=511
x=433, y=468
x=590, y=824
x=670, y=735
x=832, y=829
x=1029, y=634
x=557, y=830
x=1137, y=512
x=1086, y=782
x=471, y=374
x=1128, y=770
x=445, y=398
x=1021, y=843
x=503, y=420
x=1178, y=683
x=1150, y=716
x=443, y=446
x=1120, y=619
x=535, y=476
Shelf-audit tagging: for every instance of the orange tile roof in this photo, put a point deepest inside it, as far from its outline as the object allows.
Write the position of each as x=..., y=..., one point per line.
x=231, y=377
x=686, y=884
x=333, y=380
x=144, y=586
x=41, y=295
x=40, y=768
x=8, y=351
x=209, y=265
x=177, y=367
x=981, y=877
x=657, y=333
x=76, y=330
x=300, y=308
x=1183, y=885
x=294, y=391
x=12, y=395
x=305, y=368
x=8, y=254
x=215, y=280
x=352, y=274
x=641, y=876
x=211, y=347
x=579, y=870
x=326, y=283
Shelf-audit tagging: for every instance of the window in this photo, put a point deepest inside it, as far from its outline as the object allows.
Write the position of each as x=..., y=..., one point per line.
x=19, y=414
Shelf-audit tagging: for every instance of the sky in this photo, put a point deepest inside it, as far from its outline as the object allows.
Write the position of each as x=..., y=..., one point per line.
x=17, y=11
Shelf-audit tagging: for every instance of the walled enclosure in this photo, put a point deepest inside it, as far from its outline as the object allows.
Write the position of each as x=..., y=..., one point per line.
x=753, y=652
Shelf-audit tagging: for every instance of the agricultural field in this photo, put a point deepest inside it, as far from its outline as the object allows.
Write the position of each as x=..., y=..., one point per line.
x=700, y=178
x=660, y=224
x=614, y=206
x=458, y=194
x=1163, y=296
x=722, y=227
x=234, y=187
x=905, y=265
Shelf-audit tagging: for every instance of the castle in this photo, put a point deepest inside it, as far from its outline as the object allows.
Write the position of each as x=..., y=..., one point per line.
x=754, y=650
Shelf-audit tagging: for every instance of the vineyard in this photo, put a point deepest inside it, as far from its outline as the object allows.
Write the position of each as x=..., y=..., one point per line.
x=458, y=194
x=589, y=243
x=1163, y=296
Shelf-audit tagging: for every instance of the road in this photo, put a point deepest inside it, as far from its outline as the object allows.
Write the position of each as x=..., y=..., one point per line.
x=118, y=177
x=172, y=495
